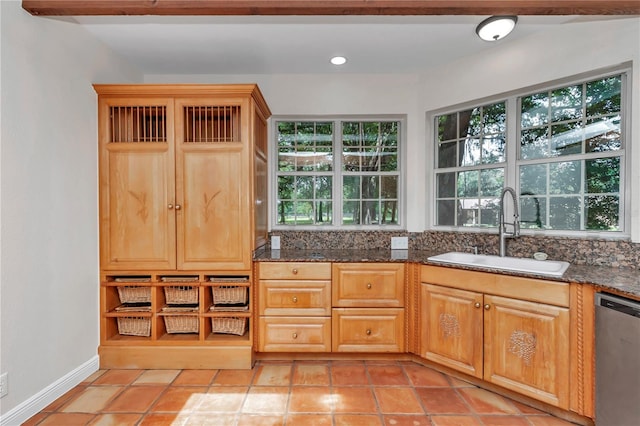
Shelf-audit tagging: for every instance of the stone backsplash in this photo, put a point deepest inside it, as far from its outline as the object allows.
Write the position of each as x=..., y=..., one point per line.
x=578, y=251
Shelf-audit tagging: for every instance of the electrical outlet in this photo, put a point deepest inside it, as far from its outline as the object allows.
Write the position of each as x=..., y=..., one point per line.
x=275, y=242
x=4, y=384
x=399, y=243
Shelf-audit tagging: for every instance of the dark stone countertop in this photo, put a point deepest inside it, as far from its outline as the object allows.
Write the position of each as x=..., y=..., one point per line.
x=625, y=281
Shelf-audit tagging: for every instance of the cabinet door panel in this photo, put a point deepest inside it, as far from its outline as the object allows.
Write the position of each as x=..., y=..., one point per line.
x=527, y=348
x=212, y=221
x=452, y=328
x=138, y=228
x=261, y=200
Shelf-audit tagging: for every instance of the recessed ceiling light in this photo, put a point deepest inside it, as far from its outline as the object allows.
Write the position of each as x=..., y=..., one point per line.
x=338, y=60
x=496, y=27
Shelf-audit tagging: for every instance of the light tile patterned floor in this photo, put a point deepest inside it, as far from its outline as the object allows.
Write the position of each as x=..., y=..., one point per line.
x=332, y=393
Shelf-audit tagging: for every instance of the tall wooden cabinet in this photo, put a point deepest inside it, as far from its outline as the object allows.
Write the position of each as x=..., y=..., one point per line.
x=183, y=184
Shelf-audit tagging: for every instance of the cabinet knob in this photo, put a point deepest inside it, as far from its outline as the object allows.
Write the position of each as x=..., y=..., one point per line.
x=487, y=307
x=369, y=285
x=294, y=335
x=294, y=271
x=295, y=299
x=178, y=207
x=368, y=332
x=477, y=304
x=170, y=206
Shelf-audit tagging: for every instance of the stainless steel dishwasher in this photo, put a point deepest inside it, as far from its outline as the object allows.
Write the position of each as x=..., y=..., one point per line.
x=617, y=361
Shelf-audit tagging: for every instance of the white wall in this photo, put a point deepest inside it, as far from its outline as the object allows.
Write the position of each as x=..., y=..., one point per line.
x=561, y=52
x=48, y=185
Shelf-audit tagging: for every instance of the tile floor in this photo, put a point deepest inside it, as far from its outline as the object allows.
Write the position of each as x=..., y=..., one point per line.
x=334, y=393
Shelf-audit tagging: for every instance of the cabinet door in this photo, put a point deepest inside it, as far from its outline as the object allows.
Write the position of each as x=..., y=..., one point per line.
x=452, y=328
x=212, y=187
x=137, y=220
x=527, y=348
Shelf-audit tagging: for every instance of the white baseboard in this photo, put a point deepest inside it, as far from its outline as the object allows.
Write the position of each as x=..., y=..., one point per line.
x=46, y=396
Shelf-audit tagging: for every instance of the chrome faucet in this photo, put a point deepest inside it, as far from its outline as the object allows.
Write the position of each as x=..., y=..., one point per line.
x=502, y=225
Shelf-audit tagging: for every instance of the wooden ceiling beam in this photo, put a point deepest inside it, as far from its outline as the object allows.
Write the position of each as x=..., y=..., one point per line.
x=330, y=7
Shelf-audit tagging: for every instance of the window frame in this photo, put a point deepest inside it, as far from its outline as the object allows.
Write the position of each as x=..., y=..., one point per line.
x=337, y=172
x=513, y=162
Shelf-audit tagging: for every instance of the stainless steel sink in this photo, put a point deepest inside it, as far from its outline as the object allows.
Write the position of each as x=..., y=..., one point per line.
x=551, y=268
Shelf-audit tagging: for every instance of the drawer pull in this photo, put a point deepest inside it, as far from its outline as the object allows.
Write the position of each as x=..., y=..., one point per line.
x=294, y=271
x=487, y=307
x=477, y=305
x=369, y=286
x=295, y=299
x=294, y=335
x=368, y=332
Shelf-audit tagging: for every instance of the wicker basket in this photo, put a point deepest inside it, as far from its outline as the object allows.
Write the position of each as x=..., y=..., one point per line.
x=229, y=325
x=181, y=323
x=181, y=295
x=134, y=294
x=227, y=295
x=134, y=326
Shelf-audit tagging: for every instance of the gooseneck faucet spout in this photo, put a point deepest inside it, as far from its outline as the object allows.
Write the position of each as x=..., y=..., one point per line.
x=502, y=224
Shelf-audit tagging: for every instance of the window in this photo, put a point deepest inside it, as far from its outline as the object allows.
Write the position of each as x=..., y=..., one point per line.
x=338, y=173
x=470, y=171
x=571, y=157
x=568, y=164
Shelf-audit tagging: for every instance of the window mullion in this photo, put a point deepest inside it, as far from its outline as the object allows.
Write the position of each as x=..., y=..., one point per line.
x=337, y=173
x=511, y=175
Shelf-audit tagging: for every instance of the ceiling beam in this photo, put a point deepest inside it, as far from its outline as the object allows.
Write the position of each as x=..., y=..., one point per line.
x=330, y=7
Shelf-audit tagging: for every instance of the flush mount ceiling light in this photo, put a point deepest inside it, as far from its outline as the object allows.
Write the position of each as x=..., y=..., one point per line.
x=338, y=60
x=496, y=27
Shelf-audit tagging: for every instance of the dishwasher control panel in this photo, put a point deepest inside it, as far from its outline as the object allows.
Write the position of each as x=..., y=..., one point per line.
x=619, y=304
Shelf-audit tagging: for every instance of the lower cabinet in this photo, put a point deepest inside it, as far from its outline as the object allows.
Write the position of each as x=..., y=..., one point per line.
x=294, y=307
x=331, y=307
x=368, y=307
x=482, y=330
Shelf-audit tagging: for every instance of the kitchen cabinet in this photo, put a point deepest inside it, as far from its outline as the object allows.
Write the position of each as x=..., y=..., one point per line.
x=182, y=187
x=331, y=307
x=182, y=176
x=368, y=307
x=510, y=331
x=294, y=307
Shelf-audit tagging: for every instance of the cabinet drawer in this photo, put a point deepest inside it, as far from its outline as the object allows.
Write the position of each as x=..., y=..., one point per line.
x=295, y=270
x=295, y=334
x=295, y=298
x=368, y=285
x=368, y=330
